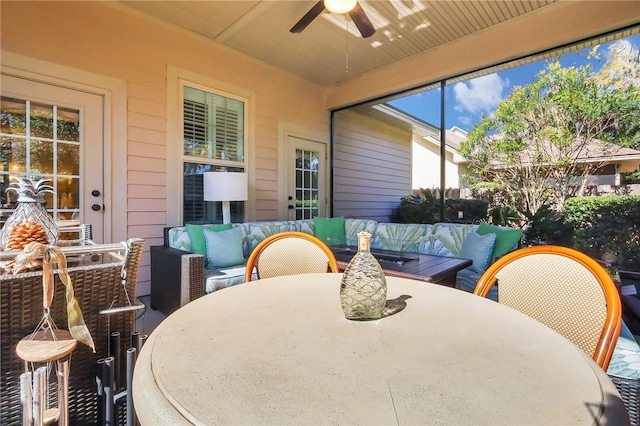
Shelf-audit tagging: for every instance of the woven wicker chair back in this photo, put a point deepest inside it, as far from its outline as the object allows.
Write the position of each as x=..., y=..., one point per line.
x=564, y=290
x=291, y=253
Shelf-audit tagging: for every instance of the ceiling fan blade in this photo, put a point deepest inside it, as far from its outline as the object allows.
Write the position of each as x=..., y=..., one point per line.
x=361, y=20
x=308, y=17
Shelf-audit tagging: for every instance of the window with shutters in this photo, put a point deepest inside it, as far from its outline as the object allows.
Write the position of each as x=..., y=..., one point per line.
x=214, y=141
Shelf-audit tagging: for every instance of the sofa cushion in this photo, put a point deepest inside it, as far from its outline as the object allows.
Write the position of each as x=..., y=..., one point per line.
x=306, y=226
x=196, y=236
x=445, y=239
x=224, y=248
x=330, y=230
x=478, y=248
x=399, y=236
x=506, y=239
x=179, y=238
x=217, y=279
x=625, y=361
x=353, y=226
x=255, y=232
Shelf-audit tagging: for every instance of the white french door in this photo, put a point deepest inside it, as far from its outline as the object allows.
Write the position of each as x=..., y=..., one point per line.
x=48, y=131
x=307, y=175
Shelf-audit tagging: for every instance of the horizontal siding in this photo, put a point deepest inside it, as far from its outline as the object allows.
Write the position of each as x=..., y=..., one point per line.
x=106, y=40
x=371, y=167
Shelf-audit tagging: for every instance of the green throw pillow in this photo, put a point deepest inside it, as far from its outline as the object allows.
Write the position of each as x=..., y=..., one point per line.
x=196, y=235
x=330, y=231
x=479, y=249
x=506, y=239
x=224, y=248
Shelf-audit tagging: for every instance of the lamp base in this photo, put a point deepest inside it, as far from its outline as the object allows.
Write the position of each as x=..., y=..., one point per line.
x=226, y=212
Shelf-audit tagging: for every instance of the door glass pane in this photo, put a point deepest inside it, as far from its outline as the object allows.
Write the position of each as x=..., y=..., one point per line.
x=68, y=159
x=68, y=125
x=40, y=141
x=41, y=121
x=41, y=157
x=306, y=184
x=13, y=114
x=13, y=154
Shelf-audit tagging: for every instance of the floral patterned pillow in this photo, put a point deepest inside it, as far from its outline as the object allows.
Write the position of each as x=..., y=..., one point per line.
x=179, y=238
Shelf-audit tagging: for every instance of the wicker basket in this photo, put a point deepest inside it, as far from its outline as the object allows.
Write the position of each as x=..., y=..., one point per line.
x=96, y=284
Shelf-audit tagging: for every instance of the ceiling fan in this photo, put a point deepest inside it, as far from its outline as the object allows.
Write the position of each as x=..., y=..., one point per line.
x=352, y=7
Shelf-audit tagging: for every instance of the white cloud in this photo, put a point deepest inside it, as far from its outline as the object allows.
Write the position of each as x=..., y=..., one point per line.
x=481, y=94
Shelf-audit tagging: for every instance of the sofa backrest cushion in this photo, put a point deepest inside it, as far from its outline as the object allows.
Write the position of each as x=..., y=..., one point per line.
x=445, y=239
x=179, y=238
x=478, y=248
x=224, y=248
x=255, y=232
x=506, y=238
x=353, y=226
x=196, y=236
x=330, y=230
x=399, y=236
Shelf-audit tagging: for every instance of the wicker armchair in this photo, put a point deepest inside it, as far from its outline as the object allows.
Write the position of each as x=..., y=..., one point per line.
x=95, y=271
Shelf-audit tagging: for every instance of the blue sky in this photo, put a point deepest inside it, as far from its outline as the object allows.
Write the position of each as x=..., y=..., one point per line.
x=468, y=100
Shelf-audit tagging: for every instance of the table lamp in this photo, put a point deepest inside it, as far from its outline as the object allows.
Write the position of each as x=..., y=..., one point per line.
x=225, y=187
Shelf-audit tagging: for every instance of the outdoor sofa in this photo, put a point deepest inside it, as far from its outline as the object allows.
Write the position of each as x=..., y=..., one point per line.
x=179, y=274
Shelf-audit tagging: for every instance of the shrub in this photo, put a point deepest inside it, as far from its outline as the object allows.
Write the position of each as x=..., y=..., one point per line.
x=419, y=208
x=472, y=210
x=606, y=227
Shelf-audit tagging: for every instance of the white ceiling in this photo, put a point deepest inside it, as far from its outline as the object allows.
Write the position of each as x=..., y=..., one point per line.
x=260, y=29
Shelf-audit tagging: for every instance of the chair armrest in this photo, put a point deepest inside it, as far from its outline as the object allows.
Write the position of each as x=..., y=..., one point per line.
x=177, y=278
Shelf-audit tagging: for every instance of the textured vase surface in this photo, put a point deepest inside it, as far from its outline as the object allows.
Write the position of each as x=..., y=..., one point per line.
x=363, y=291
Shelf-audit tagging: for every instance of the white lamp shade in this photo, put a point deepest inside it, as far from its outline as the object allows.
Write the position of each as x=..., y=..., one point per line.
x=225, y=186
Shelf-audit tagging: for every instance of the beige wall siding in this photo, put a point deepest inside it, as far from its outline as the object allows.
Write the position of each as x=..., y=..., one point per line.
x=107, y=40
x=372, y=167
x=425, y=160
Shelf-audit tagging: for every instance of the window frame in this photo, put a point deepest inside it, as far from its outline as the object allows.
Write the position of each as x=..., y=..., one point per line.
x=174, y=178
x=207, y=161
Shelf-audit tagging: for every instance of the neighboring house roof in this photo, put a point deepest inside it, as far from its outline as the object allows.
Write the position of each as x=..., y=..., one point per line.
x=454, y=136
x=596, y=152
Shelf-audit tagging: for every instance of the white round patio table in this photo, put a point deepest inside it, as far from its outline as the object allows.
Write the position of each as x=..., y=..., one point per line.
x=280, y=351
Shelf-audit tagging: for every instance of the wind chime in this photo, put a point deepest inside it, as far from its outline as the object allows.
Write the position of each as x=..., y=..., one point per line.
x=49, y=345
x=111, y=390
x=31, y=230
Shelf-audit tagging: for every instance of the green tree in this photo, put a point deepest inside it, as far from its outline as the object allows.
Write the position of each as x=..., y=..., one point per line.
x=534, y=145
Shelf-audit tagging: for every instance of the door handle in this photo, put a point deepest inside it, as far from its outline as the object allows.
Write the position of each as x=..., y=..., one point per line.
x=290, y=207
x=95, y=207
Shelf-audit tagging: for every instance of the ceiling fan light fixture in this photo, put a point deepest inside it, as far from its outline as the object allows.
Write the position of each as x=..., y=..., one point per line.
x=340, y=6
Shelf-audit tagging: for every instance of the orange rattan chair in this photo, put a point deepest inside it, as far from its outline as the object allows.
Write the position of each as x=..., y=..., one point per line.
x=563, y=289
x=290, y=253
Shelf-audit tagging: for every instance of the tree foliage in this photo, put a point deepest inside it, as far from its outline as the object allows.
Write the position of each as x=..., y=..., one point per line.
x=534, y=146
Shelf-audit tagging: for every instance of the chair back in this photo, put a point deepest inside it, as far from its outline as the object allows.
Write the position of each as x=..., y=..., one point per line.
x=290, y=253
x=563, y=289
